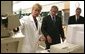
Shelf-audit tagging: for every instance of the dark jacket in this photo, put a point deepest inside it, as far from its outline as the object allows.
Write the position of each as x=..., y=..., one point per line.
x=72, y=20
x=52, y=29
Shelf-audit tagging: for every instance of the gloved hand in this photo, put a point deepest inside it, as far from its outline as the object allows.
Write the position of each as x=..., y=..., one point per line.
x=42, y=38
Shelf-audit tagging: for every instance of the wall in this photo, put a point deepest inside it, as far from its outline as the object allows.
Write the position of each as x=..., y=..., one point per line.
x=6, y=7
x=73, y=6
x=66, y=4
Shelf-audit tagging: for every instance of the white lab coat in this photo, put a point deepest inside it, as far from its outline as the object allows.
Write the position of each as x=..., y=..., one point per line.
x=32, y=34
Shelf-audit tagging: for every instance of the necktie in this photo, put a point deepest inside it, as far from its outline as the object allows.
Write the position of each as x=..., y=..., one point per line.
x=36, y=23
x=54, y=19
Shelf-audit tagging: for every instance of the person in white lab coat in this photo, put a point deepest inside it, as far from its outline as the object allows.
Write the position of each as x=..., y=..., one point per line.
x=30, y=27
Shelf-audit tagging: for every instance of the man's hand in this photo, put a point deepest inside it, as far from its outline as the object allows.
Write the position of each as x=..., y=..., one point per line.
x=49, y=39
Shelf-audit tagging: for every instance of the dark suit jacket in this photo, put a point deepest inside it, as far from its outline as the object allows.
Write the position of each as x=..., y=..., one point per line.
x=72, y=20
x=54, y=30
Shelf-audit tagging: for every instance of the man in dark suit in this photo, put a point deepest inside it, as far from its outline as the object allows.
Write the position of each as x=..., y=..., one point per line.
x=76, y=19
x=52, y=28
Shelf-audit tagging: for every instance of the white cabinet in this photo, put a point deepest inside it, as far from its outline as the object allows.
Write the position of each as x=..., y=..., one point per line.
x=12, y=44
x=9, y=47
x=75, y=34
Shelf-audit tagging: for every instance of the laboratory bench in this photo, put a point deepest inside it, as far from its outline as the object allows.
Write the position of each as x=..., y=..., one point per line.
x=12, y=44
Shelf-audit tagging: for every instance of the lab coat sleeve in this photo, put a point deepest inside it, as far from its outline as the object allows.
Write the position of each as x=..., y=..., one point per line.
x=40, y=33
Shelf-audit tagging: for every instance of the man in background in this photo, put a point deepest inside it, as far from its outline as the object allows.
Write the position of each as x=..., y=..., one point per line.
x=76, y=19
